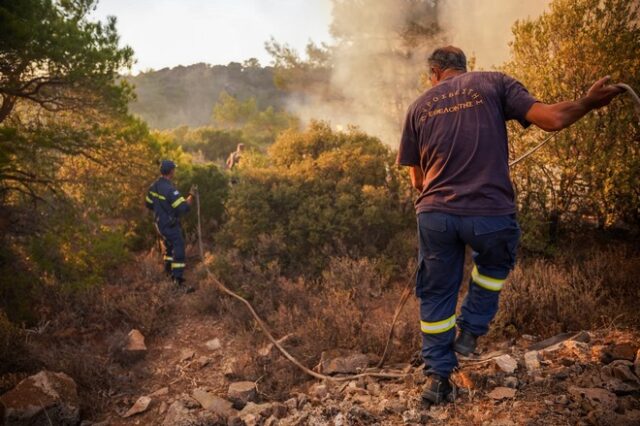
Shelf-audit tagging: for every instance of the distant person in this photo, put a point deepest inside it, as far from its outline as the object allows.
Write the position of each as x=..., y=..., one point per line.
x=234, y=157
x=455, y=141
x=168, y=206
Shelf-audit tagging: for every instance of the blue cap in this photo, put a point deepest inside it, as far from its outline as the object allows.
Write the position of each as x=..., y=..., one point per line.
x=166, y=166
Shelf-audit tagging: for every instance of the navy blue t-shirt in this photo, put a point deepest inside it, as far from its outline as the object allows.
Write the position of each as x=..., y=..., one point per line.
x=456, y=132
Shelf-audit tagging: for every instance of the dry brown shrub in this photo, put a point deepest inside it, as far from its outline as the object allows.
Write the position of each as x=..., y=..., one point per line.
x=572, y=292
x=350, y=306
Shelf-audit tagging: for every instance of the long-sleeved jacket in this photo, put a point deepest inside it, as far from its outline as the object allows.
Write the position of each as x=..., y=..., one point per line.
x=166, y=203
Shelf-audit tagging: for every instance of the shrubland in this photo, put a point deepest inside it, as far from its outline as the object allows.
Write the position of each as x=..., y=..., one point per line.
x=315, y=226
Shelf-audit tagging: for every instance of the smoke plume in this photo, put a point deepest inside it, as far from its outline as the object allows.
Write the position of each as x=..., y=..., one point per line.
x=378, y=59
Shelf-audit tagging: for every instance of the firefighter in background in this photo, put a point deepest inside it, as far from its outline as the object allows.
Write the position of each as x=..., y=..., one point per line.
x=168, y=206
x=234, y=157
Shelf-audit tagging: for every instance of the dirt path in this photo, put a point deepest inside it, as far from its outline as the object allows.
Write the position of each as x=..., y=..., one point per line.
x=572, y=383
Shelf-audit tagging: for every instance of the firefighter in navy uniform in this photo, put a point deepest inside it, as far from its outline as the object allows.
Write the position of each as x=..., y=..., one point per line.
x=168, y=206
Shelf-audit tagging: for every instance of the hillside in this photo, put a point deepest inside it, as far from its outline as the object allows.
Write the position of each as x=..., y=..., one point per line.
x=185, y=95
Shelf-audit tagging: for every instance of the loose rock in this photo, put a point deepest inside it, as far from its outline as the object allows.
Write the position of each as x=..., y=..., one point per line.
x=506, y=363
x=141, y=405
x=179, y=414
x=55, y=393
x=594, y=397
x=502, y=393
x=532, y=361
x=186, y=354
x=242, y=392
x=511, y=382
x=213, y=403
x=344, y=362
x=160, y=392
x=213, y=344
x=133, y=348
x=622, y=350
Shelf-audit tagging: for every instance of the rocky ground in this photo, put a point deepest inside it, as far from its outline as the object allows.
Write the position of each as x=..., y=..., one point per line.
x=194, y=374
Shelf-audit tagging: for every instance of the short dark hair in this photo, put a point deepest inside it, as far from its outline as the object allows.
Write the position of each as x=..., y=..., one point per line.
x=448, y=57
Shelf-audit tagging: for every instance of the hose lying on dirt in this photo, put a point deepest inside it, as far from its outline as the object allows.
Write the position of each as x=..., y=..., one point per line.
x=284, y=352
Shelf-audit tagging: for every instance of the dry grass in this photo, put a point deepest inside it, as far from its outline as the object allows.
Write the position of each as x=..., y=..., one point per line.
x=78, y=330
x=351, y=305
x=596, y=288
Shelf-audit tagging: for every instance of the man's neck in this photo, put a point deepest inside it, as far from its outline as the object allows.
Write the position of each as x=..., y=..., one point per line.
x=449, y=73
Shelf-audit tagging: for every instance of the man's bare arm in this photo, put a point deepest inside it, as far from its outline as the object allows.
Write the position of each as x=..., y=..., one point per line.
x=553, y=117
x=417, y=177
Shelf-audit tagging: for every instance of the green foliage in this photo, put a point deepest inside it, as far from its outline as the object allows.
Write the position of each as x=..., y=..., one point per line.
x=206, y=143
x=53, y=56
x=213, y=190
x=185, y=96
x=591, y=171
x=258, y=126
x=317, y=193
x=77, y=255
x=73, y=164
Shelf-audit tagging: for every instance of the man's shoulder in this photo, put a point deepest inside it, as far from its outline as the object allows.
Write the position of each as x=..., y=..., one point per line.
x=165, y=186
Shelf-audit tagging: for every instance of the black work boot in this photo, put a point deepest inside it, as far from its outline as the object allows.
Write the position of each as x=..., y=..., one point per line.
x=437, y=390
x=465, y=343
x=167, y=268
x=180, y=285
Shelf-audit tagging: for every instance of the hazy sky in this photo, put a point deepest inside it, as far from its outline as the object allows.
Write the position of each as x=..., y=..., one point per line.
x=182, y=32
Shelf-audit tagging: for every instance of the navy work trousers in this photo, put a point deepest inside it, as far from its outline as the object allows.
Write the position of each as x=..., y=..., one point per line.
x=442, y=239
x=174, y=256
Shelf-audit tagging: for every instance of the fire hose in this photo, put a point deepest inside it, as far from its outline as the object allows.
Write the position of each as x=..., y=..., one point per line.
x=402, y=302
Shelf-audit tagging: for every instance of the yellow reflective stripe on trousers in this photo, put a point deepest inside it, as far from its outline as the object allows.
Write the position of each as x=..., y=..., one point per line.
x=155, y=194
x=168, y=258
x=148, y=200
x=439, y=326
x=177, y=202
x=178, y=265
x=493, y=284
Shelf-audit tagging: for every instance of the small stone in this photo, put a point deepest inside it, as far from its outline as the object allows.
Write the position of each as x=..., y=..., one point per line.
x=502, y=393
x=622, y=370
x=561, y=399
x=202, y=362
x=140, y=406
x=242, y=392
x=43, y=398
x=160, y=392
x=623, y=350
x=186, y=354
x=583, y=337
x=595, y=397
x=213, y=344
x=532, y=361
x=506, y=363
x=135, y=341
x=213, y=403
x=163, y=408
x=180, y=413
x=256, y=410
x=343, y=362
x=134, y=348
x=511, y=382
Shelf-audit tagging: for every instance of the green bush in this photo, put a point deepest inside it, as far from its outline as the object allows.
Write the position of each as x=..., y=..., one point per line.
x=317, y=194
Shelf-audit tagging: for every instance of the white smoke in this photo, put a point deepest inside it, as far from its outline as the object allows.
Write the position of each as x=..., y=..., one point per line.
x=380, y=50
